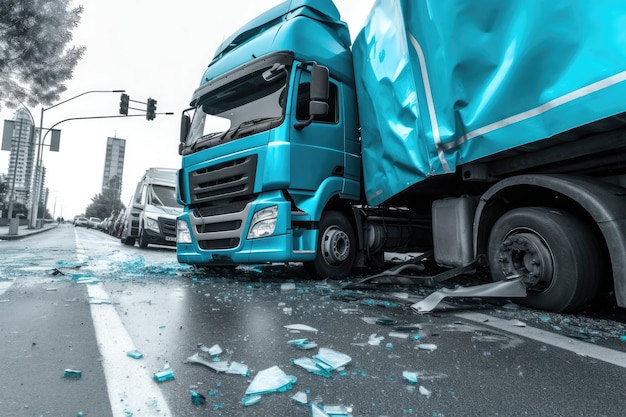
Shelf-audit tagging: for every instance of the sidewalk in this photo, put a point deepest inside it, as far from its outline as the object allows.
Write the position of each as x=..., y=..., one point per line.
x=24, y=231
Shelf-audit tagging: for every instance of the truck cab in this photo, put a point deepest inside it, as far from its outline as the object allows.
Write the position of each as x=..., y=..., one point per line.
x=271, y=141
x=151, y=215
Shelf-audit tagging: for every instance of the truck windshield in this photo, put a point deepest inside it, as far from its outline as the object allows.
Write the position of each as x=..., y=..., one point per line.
x=162, y=196
x=250, y=104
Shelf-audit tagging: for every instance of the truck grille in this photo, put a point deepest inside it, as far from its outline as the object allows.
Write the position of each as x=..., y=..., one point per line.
x=220, y=197
x=167, y=226
x=224, y=181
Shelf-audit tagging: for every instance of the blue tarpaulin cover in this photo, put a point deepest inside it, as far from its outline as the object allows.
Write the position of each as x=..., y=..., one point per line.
x=441, y=83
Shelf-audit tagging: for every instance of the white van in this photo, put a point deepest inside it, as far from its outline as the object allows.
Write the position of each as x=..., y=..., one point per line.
x=151, y=215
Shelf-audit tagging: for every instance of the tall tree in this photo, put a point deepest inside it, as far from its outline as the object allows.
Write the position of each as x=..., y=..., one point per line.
x=35, y=56
x=104, y=204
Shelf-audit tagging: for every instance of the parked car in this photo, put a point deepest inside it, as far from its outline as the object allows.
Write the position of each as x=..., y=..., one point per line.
x=81, y=221
x=93, y=222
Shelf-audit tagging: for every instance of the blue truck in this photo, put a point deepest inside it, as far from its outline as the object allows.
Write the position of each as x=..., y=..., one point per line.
x=482, y=131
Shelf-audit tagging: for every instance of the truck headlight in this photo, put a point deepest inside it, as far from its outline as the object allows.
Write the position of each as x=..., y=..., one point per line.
x=263, y=222
x=182, y=232
x=152, y=224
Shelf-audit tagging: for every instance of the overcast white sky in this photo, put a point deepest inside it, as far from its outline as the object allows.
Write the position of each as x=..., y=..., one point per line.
x=149, y=48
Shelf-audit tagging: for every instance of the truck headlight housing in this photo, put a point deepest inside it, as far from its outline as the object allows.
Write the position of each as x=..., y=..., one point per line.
x=182, y=232
x=263, y=222
x=152, y=224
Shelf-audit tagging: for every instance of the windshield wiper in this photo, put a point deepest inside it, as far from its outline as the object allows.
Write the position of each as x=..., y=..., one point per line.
x=206, y=138
x=246, y=123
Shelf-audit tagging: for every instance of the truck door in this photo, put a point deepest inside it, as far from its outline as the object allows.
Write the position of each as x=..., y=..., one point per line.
x=316, y=150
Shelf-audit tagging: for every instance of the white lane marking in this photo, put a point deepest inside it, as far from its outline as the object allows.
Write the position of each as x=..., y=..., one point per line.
x=130, y=386
x=581, y=348
x=5, y=285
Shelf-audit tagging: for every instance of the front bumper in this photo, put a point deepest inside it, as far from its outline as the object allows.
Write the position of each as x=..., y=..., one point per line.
x=286, y=244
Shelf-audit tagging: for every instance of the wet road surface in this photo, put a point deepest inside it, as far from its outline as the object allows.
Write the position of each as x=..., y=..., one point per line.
x=78, y=299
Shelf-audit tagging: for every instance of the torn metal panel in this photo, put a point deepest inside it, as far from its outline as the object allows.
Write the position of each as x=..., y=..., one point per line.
x=506, y=288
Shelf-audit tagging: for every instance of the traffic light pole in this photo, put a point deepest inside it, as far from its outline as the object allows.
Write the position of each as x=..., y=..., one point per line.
x=38, y=181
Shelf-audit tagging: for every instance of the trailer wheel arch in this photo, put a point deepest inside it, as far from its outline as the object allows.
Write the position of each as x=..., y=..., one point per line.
x=600, y=203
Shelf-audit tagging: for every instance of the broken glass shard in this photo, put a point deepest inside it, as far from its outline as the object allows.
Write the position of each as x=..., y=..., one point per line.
x=375, y=340
x=410, y=376
x=300, y=397
x=332, y=358
x=164, y=375
x=312, y=366
x=270, y=380
x=316, y=411
x=287, y=286
x=72, y=373
x=303, y=344
x=399, y=335
x=301, y=327
x=250, y=399
x=385, y=321
x=378, y=303
x=86, y=280
x=135, y=354
x=197, y=398
x=213, y=350
x=238, y=369
x=99, y=301
x=425, y=391
x=426, y=346
x=336, y=410
x=217, y=366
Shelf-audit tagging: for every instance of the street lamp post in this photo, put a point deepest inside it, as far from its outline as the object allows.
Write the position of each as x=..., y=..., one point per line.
x=37, y=185
x=54, y=209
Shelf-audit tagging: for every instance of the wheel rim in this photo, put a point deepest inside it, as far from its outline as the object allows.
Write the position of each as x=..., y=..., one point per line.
x=336, y=245
x=527, y=255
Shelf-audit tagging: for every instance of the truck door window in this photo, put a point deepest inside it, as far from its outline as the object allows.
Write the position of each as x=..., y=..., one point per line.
x=304, y=97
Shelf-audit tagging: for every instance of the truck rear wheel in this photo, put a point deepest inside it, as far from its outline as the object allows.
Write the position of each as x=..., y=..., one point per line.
x=336, y=247
x=555, y=253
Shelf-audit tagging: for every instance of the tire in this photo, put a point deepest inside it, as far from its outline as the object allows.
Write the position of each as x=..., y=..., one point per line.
x=143, y=240
x=336, y=247
x=556, y=254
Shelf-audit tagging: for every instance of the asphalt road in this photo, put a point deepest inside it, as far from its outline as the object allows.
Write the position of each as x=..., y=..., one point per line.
x=78, y=299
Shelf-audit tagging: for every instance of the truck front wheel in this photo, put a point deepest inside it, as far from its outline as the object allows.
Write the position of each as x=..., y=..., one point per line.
x=555, y=253
x=143, y=238
x=336, y=247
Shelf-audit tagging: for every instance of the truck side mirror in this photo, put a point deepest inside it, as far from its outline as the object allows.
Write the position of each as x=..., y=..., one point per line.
x=319, y=83
x=318, y=105
x=185, y=124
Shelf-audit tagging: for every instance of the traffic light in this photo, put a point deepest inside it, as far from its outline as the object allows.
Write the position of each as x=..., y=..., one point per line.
x=124, y=99
x=151, y=110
